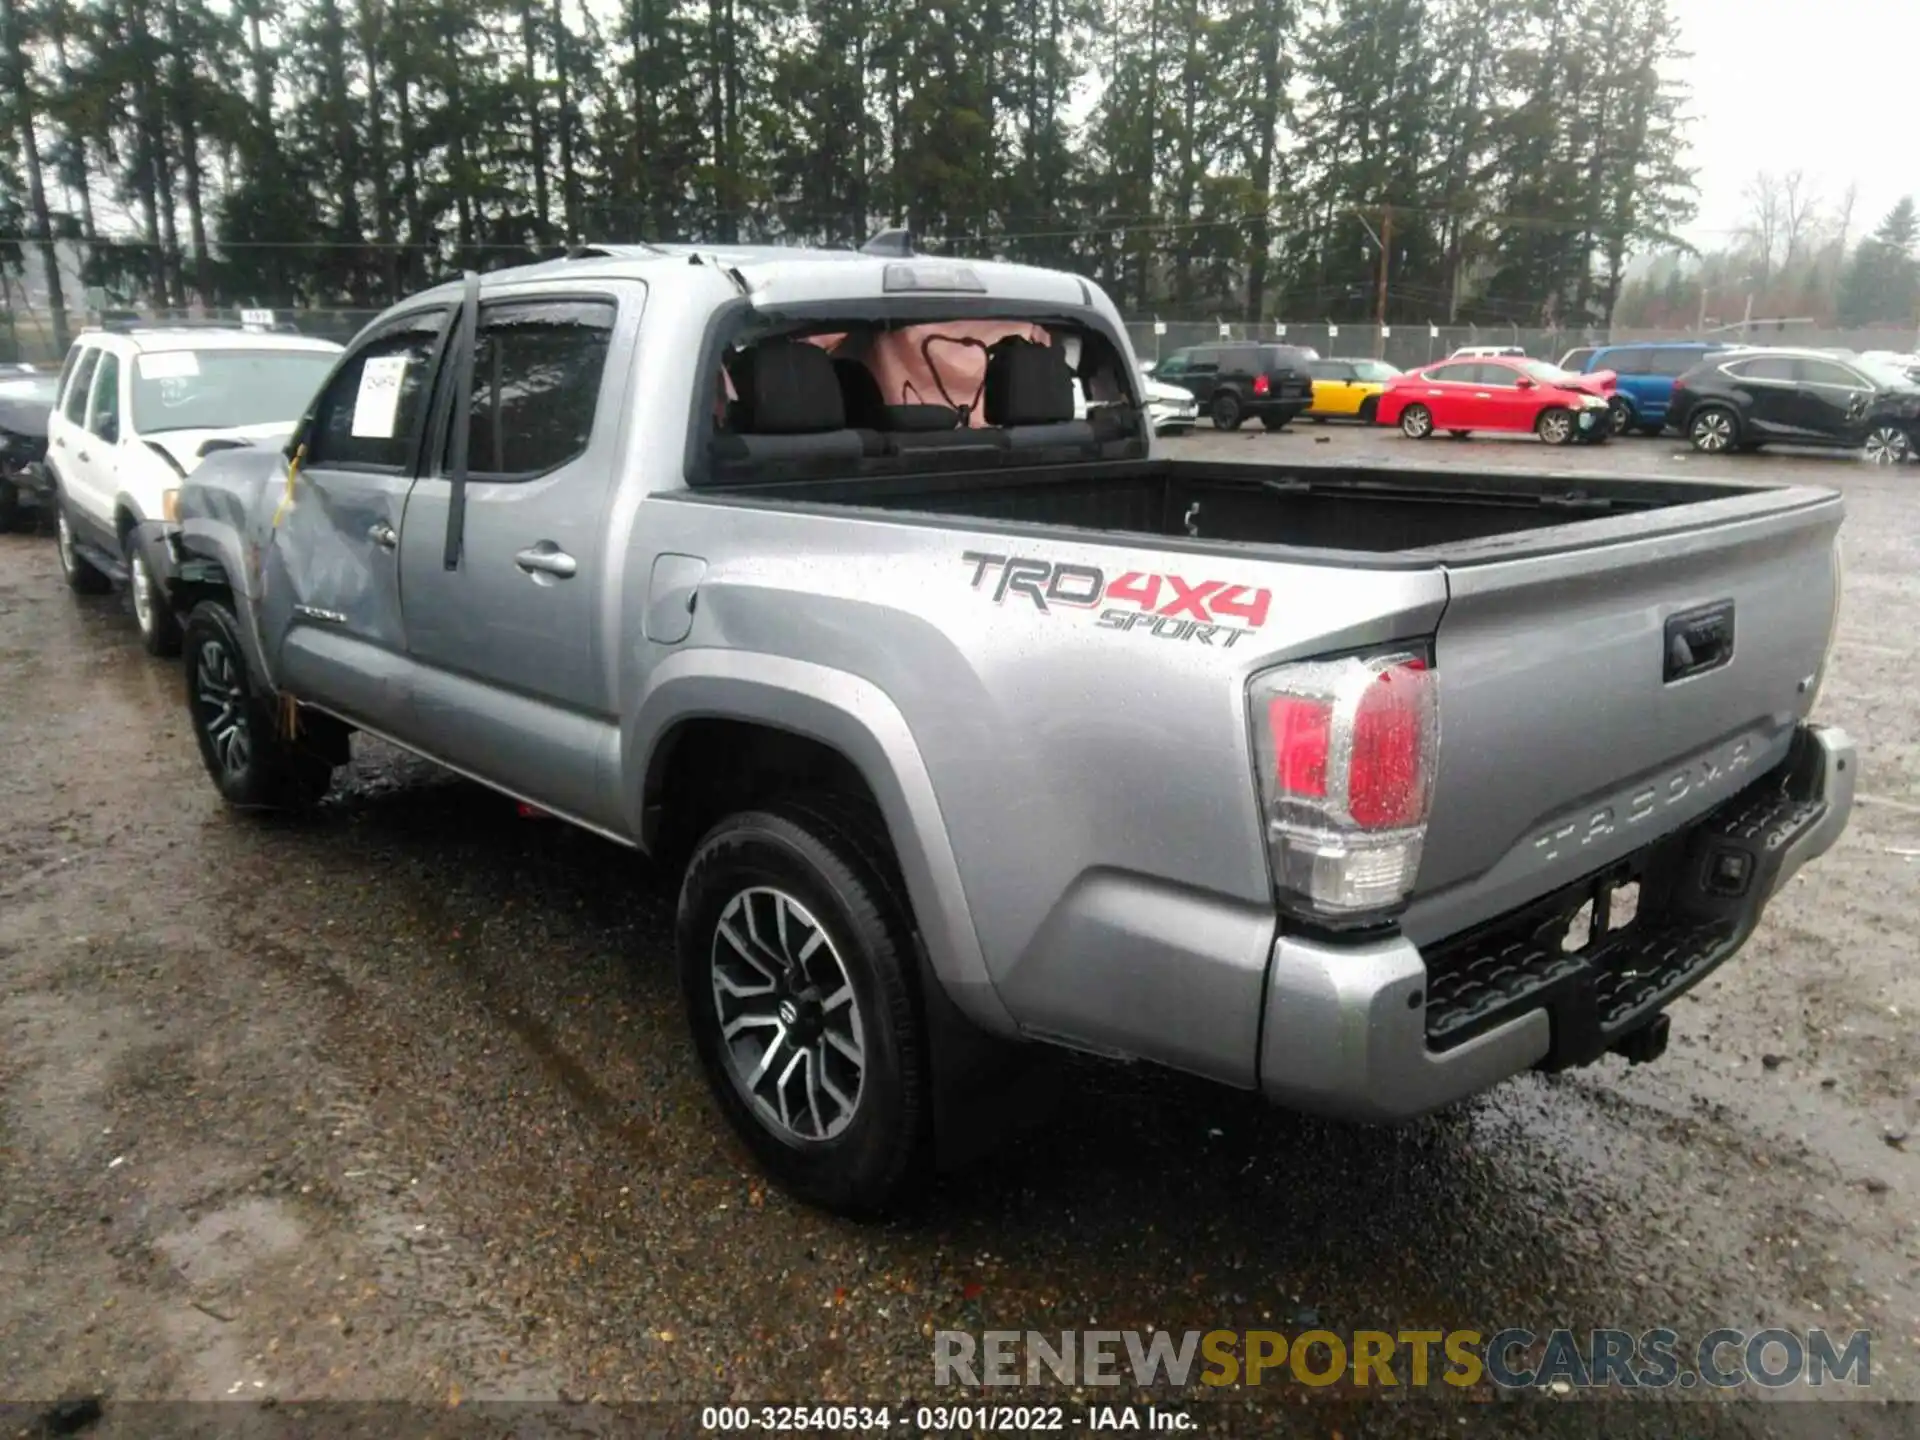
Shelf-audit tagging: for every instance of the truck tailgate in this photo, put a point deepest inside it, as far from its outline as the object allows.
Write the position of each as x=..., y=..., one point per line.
x=1586, y=708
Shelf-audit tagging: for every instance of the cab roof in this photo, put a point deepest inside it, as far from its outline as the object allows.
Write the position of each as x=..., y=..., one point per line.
x=770, y=275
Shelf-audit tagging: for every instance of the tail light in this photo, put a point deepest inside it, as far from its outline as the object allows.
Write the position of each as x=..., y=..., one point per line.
x=1346, y=754
x=1260, y=385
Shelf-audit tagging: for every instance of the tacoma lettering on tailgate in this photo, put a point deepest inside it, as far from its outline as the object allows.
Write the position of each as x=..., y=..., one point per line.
x=1710, y=774
x=1167, y=607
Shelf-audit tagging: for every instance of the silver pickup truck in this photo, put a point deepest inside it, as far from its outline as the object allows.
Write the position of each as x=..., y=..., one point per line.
x=979, y=728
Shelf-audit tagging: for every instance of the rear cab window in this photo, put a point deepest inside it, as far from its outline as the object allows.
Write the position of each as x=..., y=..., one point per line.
x=860, y=393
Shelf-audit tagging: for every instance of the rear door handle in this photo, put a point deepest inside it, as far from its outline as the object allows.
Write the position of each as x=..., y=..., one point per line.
x=382, y=534
x=546, y=558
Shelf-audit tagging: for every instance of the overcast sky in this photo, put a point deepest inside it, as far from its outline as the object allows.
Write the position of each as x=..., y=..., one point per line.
x=1828, y=86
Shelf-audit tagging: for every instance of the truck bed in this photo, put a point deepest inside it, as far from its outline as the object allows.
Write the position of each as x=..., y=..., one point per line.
x=1371, y=515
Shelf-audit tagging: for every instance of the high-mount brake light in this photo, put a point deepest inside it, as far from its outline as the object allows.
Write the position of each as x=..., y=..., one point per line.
x=1347, y=750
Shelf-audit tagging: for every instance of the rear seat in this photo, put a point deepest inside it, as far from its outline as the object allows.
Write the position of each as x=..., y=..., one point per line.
x=1029, y=394
x=790, y=407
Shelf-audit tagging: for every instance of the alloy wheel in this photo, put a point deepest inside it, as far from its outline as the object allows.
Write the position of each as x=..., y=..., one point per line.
x=790, y=1026
x=1417, y=421
x=220, y=705
x=1556, y=427
x=1887, y=445
x=1713, y=432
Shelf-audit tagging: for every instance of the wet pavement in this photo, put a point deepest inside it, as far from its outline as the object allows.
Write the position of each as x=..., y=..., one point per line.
x=395, y=1101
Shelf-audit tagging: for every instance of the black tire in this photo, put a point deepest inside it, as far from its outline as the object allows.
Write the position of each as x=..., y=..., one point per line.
x=1416, y=422
x=1555, y=426
x=269, y=770
x=835, y=867
x=1226, y=410
x=79, y=573
x=1275, y=422
x=1369, y=410
x=1620, y=416
x=1458, y=434
x=12, y=512
x=1714, y=430
x=159, y=626
x=1318, y=419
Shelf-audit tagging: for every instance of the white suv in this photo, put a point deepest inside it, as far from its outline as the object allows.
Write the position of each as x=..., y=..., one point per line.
x=137, y=410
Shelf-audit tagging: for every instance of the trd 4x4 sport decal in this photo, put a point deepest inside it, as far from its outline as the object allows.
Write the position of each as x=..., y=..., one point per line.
x=1210, y=612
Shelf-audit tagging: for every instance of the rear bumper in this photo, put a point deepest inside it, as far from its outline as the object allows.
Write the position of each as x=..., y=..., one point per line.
x=1380, y=1031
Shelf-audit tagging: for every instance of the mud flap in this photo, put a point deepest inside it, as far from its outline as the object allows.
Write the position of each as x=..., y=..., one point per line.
x=985, y=1090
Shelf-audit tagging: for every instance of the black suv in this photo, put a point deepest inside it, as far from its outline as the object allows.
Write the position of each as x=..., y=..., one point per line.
x=1233, y=381
x=1745, y=399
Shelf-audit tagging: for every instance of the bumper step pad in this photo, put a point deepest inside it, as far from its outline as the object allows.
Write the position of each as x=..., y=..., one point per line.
x=1700, y=893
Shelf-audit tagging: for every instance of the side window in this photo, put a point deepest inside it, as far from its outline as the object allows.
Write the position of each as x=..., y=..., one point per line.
x=1455, y=374
x=1764, y=367
x=1496, y=376
x=1205, y=360
x=104, y=418
x=1825, y=372
x=370, y=413
x=1629, y=362
x=1576, y=360
x=79, y=387
x=1675, y=363
x=536, y=384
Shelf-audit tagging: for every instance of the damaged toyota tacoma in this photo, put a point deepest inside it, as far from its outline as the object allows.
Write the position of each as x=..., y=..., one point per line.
x=975, y=726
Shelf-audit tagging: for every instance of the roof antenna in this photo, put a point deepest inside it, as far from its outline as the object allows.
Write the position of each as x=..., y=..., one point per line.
x=895, y=242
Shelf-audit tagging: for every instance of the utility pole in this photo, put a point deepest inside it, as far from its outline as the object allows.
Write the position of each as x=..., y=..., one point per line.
x=1381, y=241
x=1380, y=320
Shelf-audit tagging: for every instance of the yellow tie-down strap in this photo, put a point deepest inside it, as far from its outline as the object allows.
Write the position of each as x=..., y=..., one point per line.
x=286, y=500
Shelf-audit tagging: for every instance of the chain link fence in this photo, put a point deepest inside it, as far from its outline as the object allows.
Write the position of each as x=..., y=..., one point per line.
x=29, y=334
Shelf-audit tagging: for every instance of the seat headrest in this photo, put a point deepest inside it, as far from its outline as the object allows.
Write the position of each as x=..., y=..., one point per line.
x=860, y=394
x=1027, y=384
x=787, y=387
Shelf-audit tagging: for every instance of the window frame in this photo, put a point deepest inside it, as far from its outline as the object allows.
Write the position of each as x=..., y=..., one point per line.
x=383, y=330
x=440, y=429
x=97, y=389
x=1734, y=370
x=1467, y=365
x=80, y=385
x=1852, y=380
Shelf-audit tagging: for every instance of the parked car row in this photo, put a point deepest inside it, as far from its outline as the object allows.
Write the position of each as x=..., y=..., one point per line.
x=1720, y=397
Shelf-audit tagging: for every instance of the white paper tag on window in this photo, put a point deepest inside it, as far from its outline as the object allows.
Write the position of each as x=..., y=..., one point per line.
x=168, y=365
x=375, y=407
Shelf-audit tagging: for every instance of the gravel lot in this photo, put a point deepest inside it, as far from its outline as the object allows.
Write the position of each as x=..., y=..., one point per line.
x=395, y=1102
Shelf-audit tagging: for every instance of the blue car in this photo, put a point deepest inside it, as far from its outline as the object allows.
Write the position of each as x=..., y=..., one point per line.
x=1645, y=376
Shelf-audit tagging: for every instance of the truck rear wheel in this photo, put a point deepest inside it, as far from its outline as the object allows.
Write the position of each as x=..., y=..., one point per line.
x=797, y=965
x=255, y=765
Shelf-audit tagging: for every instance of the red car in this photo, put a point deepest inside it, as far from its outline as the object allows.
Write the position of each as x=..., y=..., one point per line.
x=1461, y=396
